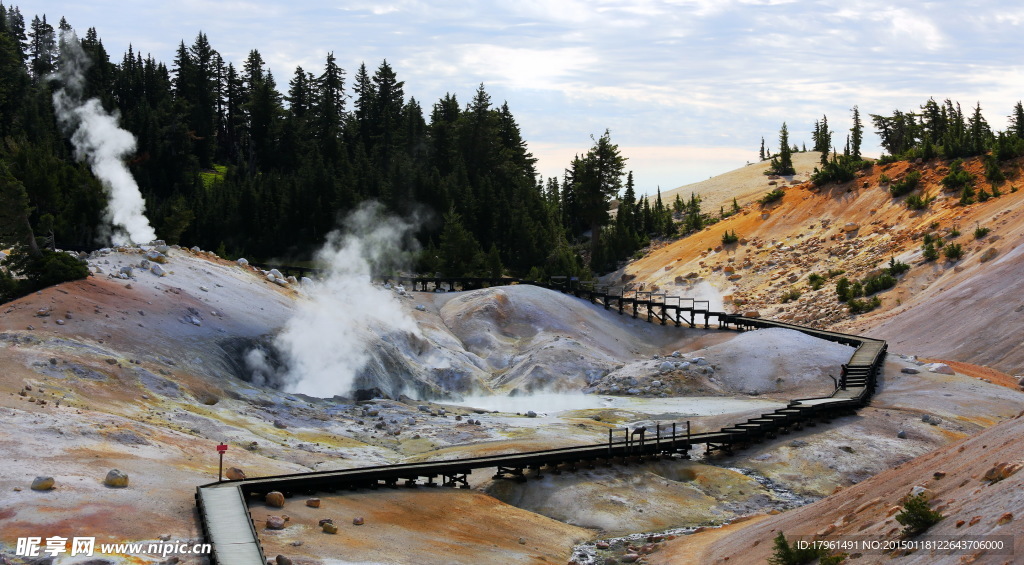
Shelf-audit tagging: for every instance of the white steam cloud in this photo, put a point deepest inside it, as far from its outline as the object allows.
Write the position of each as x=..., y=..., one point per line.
x=98, y=140
x=325, y=344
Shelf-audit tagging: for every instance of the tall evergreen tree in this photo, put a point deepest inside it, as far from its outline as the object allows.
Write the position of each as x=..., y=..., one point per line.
x=782, y=163
x=856, y=134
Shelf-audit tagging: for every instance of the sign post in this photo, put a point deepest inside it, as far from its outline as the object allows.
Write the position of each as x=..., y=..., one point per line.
x=221, y=448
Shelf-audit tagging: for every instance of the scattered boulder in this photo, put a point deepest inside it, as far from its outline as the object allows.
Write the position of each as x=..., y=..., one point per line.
x=313, y=503
x=909, y=371
x=280, y=425
x=235, y=474
x=1005, y=519
x=329, y=528
x=43, y=483
x=666, y=367
x=282, y=560
x=929, y=419
x=116, y=478
x=1001, y=471
x=902, y=434
x=531, y=414
x=925, y=493
x=242, y=262
x=275, y=499
x=358, y=521
x=989, y=254
x=940, y=368
x=157, y=270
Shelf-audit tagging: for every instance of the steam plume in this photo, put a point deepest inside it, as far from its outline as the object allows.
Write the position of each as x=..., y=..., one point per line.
x=324, y=345
x=98, y=140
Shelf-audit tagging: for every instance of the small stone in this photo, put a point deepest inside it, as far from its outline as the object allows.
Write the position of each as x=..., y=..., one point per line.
x=116, y=478
x=902, y=434
x=313, y=503
x=165, y=537
x=275, y=523
x=329, y=528
x=531, y=414
x=280, y=425
x=358, y=521
x=282, y=560
x=234, y=474
x=43, y=483
x=938, y=475
x=275, y=499
x=1005, y=519
x=325, y=521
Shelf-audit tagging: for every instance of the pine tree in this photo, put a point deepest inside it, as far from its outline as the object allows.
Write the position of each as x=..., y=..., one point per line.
x=856, y=134
x=762, y=156
x=782, y=164
x=601, y=179
x=1017, y=120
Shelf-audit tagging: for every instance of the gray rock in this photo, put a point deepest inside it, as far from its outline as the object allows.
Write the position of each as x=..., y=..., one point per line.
x=280, y=424
x=243, y=262
x=531, y=414
x=43, y=483
x=798, y=443
x=929, y=419
x=909, y=370
x=116, y=478
x=157, y=270
x=666, y=367
x=902, y=434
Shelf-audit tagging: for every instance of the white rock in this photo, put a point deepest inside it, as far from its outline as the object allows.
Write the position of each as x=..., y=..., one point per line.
x=243, y=262
x=195, y=249
x=926, y=493
x=280, y=282
x=666, y=367
x=941, y=368
x=277, y=274
x=306, y=281
x=292, y=280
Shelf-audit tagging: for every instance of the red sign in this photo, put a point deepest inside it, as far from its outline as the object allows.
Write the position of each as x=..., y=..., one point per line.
x=222, y=448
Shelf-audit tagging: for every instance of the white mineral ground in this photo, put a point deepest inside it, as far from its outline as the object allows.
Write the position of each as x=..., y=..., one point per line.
x=130, y=381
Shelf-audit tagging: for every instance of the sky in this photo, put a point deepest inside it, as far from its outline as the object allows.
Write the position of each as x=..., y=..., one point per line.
x=687, y=88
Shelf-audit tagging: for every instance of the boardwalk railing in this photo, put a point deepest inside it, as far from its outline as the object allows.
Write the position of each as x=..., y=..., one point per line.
x=227, y=525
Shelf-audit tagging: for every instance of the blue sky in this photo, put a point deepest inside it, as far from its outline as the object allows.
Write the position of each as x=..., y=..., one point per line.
x=686, y=87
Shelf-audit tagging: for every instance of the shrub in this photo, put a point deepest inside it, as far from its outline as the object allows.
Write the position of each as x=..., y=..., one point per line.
x=919, y=202
x=980, y=232
x=790, y=295
x=815, y=280
x=906, y=184
x=954, y=232
x=872, y=285
x=885, y=160
x=837, y=169
x=773, y=196
x=916, y=516
x=896, y=268
x=884, y=179
x=861, y=306
x=835, y=272
x=728, y=238
x=993, y=173
x=953, y=251
x=786, y=554
x=929, y=251
x=957, y=176
x=843, y=290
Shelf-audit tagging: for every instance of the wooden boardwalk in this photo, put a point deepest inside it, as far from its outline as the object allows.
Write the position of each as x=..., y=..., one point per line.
x=225, y=518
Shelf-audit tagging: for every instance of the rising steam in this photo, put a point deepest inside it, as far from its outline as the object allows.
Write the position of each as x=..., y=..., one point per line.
x=98, y=139
x=325, y=344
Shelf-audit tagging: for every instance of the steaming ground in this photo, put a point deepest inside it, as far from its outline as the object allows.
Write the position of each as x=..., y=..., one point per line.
x=144, y=374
